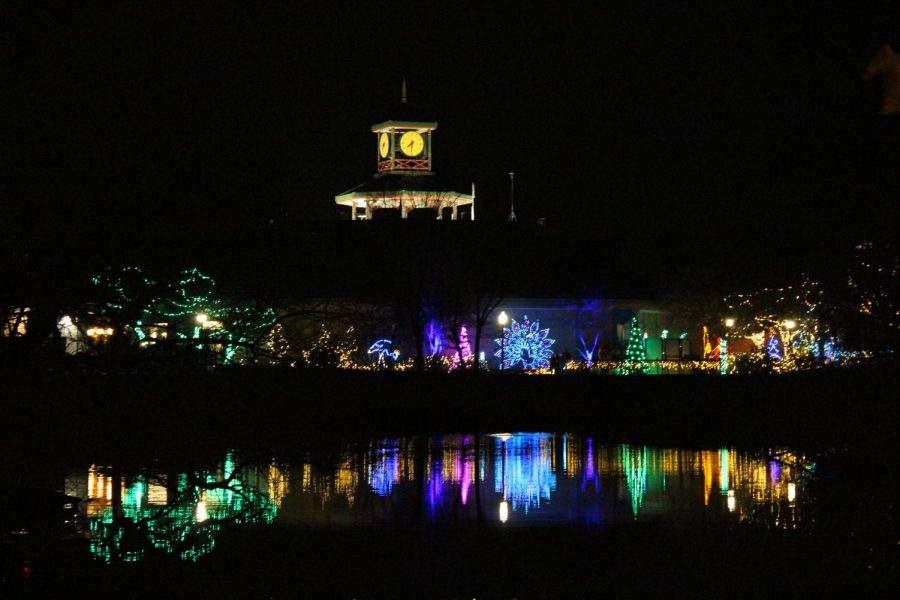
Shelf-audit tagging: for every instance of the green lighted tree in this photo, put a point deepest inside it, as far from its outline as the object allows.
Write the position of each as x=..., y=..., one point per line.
x=635, y=354
x=189, y=316
x=196, y=313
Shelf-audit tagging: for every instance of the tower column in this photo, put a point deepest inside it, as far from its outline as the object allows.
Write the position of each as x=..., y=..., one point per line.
x=352, y=211
x=453, y=214
x=368, y=210
x=403, y=209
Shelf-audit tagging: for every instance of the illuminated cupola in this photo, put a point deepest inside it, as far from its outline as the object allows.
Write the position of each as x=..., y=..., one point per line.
x=404, y=178
x=404, y=143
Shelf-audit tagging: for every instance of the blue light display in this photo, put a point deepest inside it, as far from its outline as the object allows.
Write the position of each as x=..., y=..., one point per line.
x=381, y=351
x=588, y=353
x=525, y=343
x=434, y=338
x=523, y=470
x=384, y=468
x=773, y=348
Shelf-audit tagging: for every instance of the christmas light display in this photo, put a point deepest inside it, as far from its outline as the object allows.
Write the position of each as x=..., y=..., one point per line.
x=381, y=352
x=327, y=352
x=124, y=286
x=635, y=353
x=434, y=338
x=192, y=304
x=525, y=343
x=723, y=356
x=588, y=353
x=187, y=309
x=773, y=348
x=465, y=350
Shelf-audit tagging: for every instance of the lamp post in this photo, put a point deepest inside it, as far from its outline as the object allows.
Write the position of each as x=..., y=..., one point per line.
x=502, y=320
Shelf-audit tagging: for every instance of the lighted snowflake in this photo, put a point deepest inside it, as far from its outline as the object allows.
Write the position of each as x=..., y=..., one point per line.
x=525, y=343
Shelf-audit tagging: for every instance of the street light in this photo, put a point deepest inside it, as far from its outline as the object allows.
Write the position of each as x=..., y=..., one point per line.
x=729, y=322
x=502, y=320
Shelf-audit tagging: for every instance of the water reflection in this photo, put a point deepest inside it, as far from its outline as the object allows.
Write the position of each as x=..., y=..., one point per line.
x=179, y=514
x=513, y=480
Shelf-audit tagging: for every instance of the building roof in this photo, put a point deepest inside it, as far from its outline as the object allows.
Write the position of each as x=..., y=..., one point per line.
x=388, y=184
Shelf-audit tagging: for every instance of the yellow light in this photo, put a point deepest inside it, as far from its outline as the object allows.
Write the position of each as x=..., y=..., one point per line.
x=792, y=492
x=202, y=515
x=109, y=331
x=729, y=322
x=504, y=511
x=90, y=332
x=201, y=318
x=790, y=324
x=503, y=319
x=732, y=502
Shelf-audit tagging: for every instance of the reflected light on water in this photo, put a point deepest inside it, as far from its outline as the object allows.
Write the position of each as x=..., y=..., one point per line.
x=202, y=515
x=544, y=478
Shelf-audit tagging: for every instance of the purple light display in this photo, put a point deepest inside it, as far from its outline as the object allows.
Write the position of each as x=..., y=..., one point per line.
x=525, y=343
x=590, y=473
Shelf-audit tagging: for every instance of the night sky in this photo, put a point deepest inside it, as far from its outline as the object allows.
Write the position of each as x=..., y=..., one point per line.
x=681, y=121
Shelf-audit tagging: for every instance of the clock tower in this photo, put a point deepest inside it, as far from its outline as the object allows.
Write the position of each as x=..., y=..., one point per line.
x=404, y=178
x=404, y=145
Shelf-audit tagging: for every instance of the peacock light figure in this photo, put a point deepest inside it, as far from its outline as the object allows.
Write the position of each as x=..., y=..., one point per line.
x=525, y=343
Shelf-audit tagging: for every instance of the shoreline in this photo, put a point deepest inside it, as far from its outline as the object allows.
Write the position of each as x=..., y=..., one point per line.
x=276, y=408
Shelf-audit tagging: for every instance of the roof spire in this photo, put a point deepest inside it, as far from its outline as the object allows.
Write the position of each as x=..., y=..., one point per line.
x=512, y=206
x=403, y=92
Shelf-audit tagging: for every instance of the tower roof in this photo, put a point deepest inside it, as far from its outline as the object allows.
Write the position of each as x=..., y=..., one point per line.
x=406, y=114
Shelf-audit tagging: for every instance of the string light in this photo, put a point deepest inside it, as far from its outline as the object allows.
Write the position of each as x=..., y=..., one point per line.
x=525, y=343
x=635, y=352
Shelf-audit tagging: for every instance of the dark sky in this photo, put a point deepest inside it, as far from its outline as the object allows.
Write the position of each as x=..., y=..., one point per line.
x=682, y=119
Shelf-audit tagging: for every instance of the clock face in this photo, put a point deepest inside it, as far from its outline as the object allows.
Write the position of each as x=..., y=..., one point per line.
x=412, y=143
x=384, y=145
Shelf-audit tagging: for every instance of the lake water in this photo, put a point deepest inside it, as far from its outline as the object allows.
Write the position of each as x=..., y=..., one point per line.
x=502, y=480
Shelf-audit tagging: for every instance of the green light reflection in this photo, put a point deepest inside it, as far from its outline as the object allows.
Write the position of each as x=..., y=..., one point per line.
x=181, y=520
